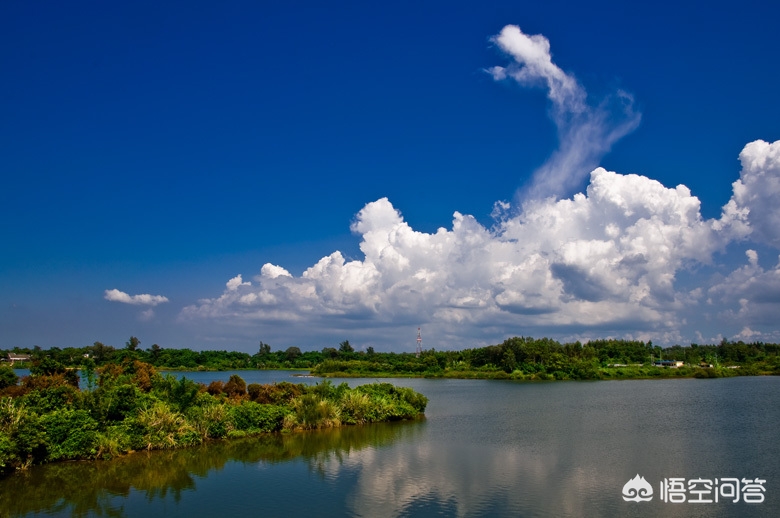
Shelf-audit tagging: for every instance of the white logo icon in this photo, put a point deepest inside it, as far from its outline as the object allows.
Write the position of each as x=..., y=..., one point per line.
x=637, y=490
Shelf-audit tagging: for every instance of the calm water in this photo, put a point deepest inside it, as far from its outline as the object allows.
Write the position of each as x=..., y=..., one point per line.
x=486, y=448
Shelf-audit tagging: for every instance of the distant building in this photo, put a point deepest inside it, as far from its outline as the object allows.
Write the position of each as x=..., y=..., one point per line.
x=13, y=357
x=672, y=364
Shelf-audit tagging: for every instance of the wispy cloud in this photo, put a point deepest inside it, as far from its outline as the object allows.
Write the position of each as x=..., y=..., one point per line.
x=586, y=132
x=115, y=295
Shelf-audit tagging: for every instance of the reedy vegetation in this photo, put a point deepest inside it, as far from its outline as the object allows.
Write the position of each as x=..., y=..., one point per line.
x=133, y=407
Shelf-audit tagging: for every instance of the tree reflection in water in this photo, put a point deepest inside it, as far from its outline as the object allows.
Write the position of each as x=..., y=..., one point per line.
x=99, y=488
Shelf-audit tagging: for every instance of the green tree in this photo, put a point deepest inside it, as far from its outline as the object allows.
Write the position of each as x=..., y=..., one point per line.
x=47, y=367
x=155, y=351
x=329, y=352
x=265, y=349
x=101, y=353
x=508, y=362
x=292, y=353
x=132, y=344
x=345, y=347
x=8, y=377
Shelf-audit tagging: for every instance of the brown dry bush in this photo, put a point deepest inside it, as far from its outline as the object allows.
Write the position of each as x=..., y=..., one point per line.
x=235, y=387
x=276, y=394
x=215, y=388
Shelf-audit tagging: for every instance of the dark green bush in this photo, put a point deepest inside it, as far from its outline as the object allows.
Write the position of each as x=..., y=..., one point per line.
x=180, y=392
x=7, y=377
x=256, y=417
x=70, y=434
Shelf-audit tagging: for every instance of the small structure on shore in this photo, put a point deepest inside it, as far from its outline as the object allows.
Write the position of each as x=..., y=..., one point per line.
x=14, y=357
x=672, y=364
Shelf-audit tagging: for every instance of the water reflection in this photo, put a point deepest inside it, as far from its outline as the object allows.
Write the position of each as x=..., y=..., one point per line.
x=486, y=448
x=91, y=488
x=567, y=449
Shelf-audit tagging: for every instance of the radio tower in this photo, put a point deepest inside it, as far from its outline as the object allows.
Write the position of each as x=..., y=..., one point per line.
x=419, y=342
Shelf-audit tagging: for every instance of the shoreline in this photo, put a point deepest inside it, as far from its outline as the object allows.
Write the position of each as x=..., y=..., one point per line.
x=603, y=374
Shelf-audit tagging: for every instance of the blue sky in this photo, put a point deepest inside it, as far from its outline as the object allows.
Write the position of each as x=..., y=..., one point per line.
x=163, y=150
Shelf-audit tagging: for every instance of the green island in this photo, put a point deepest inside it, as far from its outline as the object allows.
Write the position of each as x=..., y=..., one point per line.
x=129, y=406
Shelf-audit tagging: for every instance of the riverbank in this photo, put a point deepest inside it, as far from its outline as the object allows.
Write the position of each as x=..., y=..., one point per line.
x=595, y=373
x=132, y=407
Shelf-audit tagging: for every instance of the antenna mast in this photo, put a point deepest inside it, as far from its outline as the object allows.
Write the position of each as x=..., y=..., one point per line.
x=419, y=342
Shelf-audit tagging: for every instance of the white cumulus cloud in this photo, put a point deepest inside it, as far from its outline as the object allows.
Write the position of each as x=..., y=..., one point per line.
x=750, y=294
x=623, y=258
x=234, y=283
x=753, y=209
x=604, y=262
x=605, y=259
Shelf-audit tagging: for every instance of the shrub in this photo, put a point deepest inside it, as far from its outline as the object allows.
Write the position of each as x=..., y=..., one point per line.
x=143, y=375
x=215, y=388
x=355, y=408
x=164, y=428
x=8, y=377
x=235, y=387
x=113, y=441
x=254, y=390
x=23, y=439
x=326, y=390
x=276, y=394
x=179, y=392
x=210, y=421
x=256, y=418
x=108, y=374
x=7, y=452
x=112, y=403
x=312, y=412
x=48, y=393
x=415, y=400
x=70, y=434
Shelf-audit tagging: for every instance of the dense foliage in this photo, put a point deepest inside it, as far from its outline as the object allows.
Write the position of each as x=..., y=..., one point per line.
x=527, y=358
x=130, y=406
x=516, y=358
x=161, y=358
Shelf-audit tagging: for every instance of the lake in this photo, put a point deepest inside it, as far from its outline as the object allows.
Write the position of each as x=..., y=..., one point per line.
x=485, y=448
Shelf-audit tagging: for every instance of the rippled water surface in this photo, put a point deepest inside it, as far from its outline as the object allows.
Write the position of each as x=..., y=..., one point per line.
x=485, y=448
